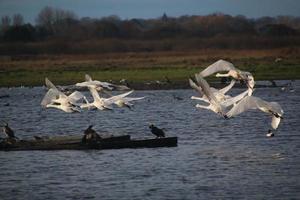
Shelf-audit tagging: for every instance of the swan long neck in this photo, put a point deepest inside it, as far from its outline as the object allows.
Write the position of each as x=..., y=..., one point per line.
x=222, y=75
x=202, y=106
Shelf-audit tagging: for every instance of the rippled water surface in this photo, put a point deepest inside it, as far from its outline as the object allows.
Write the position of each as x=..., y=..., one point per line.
x=215, y=158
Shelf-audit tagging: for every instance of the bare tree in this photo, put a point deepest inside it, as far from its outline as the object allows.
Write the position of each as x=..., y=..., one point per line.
x=5, y=22
x=46, y=18
x=18, y=20
x=54, y=18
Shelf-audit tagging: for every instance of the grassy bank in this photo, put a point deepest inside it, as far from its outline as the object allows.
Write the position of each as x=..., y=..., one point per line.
x=144, y=67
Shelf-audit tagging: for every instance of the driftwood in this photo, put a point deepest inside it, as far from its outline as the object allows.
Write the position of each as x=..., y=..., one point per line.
x=75, y=143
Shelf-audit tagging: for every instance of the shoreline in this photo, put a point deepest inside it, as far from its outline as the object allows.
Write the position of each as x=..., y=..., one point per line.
x=157, y=85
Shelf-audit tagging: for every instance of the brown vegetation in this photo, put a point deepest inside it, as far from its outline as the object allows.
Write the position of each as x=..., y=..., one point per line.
x=61, y=32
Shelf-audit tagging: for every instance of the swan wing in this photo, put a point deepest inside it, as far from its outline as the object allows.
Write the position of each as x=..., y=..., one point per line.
x=84, y=84
x=275, y=107
x=220, y=65
x=50, y=85
x=94, y=93
x=269, y=107
x=87, y=77
x=206, y=89
x=106, y=85
x=248, y=102
x=51, y=95
x=113, y=99
x=275, y=122
x=75, y=96
x=127, y=99
x=233, y=100
x=121, y=87
x=196, y=87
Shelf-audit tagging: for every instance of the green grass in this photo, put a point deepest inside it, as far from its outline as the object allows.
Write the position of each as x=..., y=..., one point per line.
x=62, y=77
x=142, y=67
x=37, y=77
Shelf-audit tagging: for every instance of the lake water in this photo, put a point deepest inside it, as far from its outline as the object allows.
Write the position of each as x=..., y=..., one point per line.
x=215, y=158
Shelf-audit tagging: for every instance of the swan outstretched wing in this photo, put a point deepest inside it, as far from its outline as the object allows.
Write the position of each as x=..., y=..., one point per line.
x=251, y=102
x=248, y=102
x=106, y=85
x=196, y=87
x=51, y=95
x=275, y=107
x=113, y=99
x=275, y=122
x=220, y=65
x=206, y=89
x=87, y=77
x=94, y=93
x=75, y=96
x=50, y=85
x=127, y=99
x=233, y=100
x=121, y=87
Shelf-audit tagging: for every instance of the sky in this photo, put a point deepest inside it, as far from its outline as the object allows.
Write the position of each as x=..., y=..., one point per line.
x=128, y=9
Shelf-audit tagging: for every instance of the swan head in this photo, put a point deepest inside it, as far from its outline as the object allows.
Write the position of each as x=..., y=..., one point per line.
x=99, y=88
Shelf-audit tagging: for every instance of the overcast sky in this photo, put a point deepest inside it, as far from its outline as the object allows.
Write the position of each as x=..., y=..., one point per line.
x=127, y=9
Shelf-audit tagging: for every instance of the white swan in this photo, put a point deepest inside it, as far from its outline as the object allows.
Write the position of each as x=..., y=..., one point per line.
x=209, y=97
x=66, y=108
x=57, y=99
x=125, y=101
x=222, y=65
x=219, y=94
x=99, y=85
x=102, y=103
x=251, y=102
x=218, y=105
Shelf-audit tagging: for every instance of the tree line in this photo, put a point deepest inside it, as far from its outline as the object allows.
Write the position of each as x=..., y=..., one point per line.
x=55, y=25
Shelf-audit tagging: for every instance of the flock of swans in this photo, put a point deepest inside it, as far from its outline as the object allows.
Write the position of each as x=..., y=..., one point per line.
x=226, y=105
x=76, y=101
x=215, y=100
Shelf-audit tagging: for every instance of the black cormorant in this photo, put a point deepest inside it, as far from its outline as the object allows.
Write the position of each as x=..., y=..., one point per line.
x=157, y=131
x=8, y=131
x=90, y=135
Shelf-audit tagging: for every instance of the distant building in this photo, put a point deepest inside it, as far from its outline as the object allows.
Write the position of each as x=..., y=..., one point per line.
x=164, y=17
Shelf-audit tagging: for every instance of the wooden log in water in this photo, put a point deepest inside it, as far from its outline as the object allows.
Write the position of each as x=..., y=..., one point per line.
x=58, y=143
x=147, y=143
x=116, y=142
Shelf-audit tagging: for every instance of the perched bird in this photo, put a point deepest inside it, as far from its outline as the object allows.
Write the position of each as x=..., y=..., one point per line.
x=222, y=65
x=157, y=131
x=8, y=131
x=89, y=130
x=90, y=136
x=38, y=138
